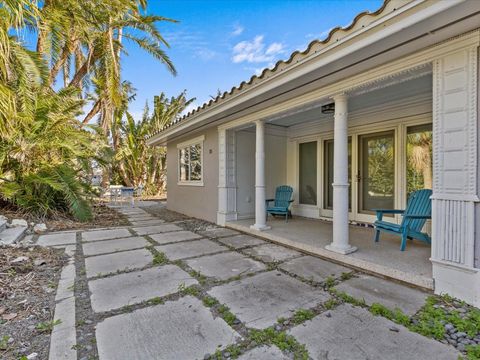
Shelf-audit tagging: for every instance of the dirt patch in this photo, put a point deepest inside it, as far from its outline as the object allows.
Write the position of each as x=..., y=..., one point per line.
x=28, y=281
x=164, y=214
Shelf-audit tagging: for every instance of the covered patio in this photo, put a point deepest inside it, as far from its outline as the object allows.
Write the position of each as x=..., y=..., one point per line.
x=412, y=266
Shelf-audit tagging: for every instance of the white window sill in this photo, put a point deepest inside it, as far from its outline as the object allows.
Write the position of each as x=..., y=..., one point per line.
x=190, y=183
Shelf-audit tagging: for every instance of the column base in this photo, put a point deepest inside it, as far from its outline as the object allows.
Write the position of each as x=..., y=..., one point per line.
x=260, y=227
x=341, y=250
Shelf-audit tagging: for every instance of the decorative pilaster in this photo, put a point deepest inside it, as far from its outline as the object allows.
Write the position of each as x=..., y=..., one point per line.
x=260, y=206
x=227, y=190
x=340, y=241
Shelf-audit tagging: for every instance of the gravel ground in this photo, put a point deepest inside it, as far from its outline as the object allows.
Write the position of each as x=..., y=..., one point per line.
x=28, y=280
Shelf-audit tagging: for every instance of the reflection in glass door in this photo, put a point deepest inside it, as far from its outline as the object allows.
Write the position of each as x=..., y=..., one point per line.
x=376, y=175
x=308, y=173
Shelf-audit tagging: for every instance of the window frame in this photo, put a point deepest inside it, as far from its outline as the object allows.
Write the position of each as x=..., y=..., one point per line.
x=186, y=145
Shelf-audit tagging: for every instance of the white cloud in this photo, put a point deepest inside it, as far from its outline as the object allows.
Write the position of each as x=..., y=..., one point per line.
x=205, y=54
x=237, y=30
x=256, y=51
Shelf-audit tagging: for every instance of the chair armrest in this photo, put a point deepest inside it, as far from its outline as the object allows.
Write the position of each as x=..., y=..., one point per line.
x=269, y=200
x=290, y=201
x=415, y=216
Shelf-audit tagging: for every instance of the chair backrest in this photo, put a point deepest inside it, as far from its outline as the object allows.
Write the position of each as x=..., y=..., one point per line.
x=418, y=203
x=283, y=194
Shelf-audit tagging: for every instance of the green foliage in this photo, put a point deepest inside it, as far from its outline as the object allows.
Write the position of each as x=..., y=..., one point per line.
x=224, y=311
x=347, y=298
x=47, y=326
x=209, y=301
x=4, y=342
x=159, y=258
x=346, y=275
x=330, y=303
x=395, y=315
x=156, y=301
x=302, y=315
x=190, y=290
x=473, y=352
x=329, y=282
x=283, y=341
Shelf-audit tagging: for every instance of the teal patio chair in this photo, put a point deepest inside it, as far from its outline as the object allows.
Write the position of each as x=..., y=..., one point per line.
x=282, y=201
x=419, y=209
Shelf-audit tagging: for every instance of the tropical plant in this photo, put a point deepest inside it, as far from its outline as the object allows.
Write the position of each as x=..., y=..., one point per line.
x=419, y=156
x=137, y=164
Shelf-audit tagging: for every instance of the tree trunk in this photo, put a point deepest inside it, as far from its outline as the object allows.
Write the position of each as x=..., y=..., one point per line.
x=92, y=113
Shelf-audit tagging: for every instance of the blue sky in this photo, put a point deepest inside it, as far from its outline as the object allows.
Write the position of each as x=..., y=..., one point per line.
x=219, y=43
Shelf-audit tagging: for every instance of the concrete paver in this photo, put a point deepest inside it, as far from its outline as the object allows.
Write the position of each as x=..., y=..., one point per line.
x=218, y=232
x=354, y=333
x=261, y=299
x=192, y=248
x=111, y=263
x=130, y=288
x=96, y=235
x=241, y=241
x=109, y=246
x=63, y=238
x=156, y=229
x=264, y=353
x=388, y=293
x=272, y=252
x=183, y=329
x=312, y=268
x=176, y=236
x=225, y=265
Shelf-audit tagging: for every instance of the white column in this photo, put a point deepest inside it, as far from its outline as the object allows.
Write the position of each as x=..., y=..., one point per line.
x=227, y=207
x=340, y=242
x=260, y=207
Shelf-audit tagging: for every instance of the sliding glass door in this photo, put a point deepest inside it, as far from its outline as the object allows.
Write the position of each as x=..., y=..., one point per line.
x=308, y=173
x=376, y=175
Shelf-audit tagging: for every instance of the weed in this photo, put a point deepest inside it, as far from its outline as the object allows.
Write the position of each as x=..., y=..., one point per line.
x=329, y=282
x=202, y=279
x=330, y=303
x=209, y=301
x=473, y=352
x=80, y=322
x=283, y=341
x=159, y=258
x=347, y=298
x=302, y=315
x=346, y=275
x=156, y=301
x=226, y=314
x=190, y=290
x=47, y=326
x=395, y=315
x=4, y=342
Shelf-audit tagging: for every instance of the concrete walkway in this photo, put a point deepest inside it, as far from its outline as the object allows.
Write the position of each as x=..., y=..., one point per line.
x=184, y=290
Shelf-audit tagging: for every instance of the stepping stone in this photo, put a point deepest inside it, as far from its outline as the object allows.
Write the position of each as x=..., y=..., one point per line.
x=141, y=217
x=354, y=333
x=12, y=235
x=261, y=299
x=97, y=235
x=111, y=263
x=63, y=238
x=110, y=246
x=218, y=232
x=147, y=222
x=182, y=329
x=176, y=236
x=388, y=293
x=134, y=287
x=312, y=268
x=271, y=252
x=264, y=352
x=190, y=249
x=226, y=265
x=241, y=241
x=155, y=229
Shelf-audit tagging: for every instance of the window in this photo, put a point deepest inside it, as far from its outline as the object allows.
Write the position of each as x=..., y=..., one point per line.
x=419, y=157
x=190, y=159
x=308, y=173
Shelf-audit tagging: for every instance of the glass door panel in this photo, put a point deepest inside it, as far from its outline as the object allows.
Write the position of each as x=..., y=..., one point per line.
x=328, y=188
x=419, y=157
x=376, y=171
x=308, y=173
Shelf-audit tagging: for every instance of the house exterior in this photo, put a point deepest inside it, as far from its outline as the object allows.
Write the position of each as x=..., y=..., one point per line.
x=358, y=120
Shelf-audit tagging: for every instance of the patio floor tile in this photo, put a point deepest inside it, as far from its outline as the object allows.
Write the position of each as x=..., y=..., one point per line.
x=183, y=329
x=155, y=229
x=176, y=236
x=148, y=222
x=226, y=265
x=134, y=287
x=261, y=299
x=312, y=268
x=354, y=333
x=96, y=235
x=388, y=293
x=63, y=238
x=110, y=246
x=272, y=252
x=111, y=263
x=190, y=249
x=218, y=232
x=241, y=241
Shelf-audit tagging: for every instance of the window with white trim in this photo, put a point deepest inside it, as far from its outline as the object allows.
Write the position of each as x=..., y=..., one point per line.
x=190, y=162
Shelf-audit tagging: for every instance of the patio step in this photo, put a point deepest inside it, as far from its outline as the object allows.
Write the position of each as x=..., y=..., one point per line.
x=12, y=235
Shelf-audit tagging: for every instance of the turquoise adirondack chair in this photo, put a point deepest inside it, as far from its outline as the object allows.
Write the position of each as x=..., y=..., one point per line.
x=419, y=209
x=282, y=201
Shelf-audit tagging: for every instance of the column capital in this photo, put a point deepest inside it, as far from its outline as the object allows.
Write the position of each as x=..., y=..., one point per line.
x=341, y=96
